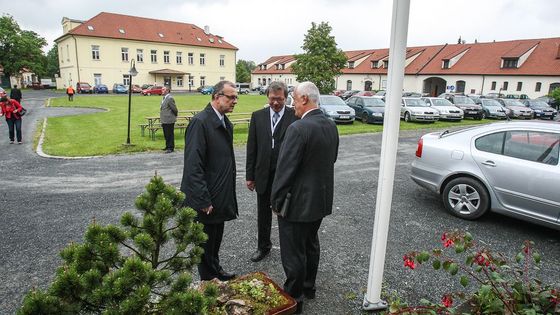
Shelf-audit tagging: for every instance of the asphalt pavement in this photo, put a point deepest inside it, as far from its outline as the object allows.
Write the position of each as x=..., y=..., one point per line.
x=47, y=203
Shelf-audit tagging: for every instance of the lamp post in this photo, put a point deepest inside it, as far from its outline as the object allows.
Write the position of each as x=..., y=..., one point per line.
x=132, y=73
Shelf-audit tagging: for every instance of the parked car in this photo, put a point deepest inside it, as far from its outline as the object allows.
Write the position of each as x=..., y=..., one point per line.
x=100, y=89
x=507, y=167
x=415, y=109
x=338, y=92
x=549, y=100
x=540, y=109
x=367, y=108
x=517, y=109
x=336, y=109
x=467, y=105
x=380, y=94
x=492, y=109
x=411, y=94
x=83, y=87
x=447, y=111
x=207, y=90
x=494, y=95
x=244, y=90
x=153, y=89
x=262, y=89
x=346, y=95
x=289, y=101
x=119, y=89
x=365, y=93
x=136, y=88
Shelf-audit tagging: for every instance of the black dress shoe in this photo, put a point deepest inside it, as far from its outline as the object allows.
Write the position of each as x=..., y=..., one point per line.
x=168, y=151
x=309, y=294
x=259, y=255
x=225, y=276
x=299, y=308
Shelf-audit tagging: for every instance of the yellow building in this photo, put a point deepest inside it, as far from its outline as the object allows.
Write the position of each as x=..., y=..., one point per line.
x=101, y=50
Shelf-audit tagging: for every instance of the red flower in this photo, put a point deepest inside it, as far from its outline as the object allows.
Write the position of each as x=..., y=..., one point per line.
x=447, y=300
x=409, y=262
x=444, y=236
x=480, y=260
x=448, y=243
x=554, y=299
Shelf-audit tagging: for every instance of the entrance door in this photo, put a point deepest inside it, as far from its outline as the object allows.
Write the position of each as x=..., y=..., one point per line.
x=167, y=81
x=367, y=86
x=97, y=78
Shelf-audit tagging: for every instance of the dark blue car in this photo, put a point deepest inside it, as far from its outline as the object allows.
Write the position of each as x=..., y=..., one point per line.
x=100, y=89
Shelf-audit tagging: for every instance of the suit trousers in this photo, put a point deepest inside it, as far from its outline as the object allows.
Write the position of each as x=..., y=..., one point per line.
x=300, y=251
x=209, y=267
x=14, y=124
x=169, y=134
x=264, y=218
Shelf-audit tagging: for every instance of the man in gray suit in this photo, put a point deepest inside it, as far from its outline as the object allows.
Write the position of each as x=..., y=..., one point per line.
x=168, y=117
x=266, y=134
x=303, y=186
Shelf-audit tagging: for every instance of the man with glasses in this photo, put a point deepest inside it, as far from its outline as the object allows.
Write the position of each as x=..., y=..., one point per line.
x=266, y=133
x=209, y=175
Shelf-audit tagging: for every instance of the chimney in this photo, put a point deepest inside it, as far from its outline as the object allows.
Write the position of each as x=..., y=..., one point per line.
x=206, y=29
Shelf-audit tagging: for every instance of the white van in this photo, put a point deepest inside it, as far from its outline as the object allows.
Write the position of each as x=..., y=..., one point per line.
x=243, y=88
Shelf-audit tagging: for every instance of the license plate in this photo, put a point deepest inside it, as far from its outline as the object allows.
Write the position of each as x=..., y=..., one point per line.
x=344, y=117
x=471, y=112
x=548, y=114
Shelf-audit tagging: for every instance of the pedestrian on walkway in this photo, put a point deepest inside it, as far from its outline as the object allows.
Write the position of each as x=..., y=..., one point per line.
x=15, y=94
x=70, y=91
x=10, y=109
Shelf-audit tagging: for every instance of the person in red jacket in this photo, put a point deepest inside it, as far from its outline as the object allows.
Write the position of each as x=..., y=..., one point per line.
x=10, y=109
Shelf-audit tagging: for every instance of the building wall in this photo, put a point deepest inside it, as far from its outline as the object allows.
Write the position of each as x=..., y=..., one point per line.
x=77, y=50
x=258, y=79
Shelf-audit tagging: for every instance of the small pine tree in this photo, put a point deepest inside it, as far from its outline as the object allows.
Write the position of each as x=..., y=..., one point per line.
x=123, y=270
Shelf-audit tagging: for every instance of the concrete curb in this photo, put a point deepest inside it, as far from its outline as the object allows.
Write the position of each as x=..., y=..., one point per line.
x=41, y=153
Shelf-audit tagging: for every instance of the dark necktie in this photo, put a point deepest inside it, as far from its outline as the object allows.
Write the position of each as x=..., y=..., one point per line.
x=275, y=118
x=223, y=122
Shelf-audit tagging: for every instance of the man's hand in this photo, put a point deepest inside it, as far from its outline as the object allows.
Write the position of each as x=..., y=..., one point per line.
x=251, y=185
x=207, y=210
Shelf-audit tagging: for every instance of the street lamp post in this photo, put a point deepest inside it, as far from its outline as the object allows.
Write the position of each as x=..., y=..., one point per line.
x=132, y=73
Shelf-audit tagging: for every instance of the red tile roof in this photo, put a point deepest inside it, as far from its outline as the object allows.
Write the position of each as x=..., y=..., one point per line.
x=480, y=59
x=108, y=25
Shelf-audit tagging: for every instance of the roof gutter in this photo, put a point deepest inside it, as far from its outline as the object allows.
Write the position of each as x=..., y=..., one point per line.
x=77, y=61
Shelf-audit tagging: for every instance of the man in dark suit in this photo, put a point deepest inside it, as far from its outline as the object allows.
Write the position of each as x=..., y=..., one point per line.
x=304, y=180
x=266, y=133
x=167, y=117
x=209, y=175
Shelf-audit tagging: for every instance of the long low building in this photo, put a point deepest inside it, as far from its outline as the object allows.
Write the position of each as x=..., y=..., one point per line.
x=181, y=55
x=529, y=66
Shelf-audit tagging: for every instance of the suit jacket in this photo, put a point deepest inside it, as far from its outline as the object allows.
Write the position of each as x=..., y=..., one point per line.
x=306, y=168
x=209, y=170
x=168, y=110
x=261, y=157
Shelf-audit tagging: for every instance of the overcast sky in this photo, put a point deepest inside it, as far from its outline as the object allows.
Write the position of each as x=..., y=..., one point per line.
x=262, y=28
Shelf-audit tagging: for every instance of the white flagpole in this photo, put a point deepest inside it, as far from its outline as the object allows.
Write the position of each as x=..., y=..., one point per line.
x=397, y=54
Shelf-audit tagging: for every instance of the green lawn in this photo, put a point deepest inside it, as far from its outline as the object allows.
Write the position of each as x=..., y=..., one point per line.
x=104, y=133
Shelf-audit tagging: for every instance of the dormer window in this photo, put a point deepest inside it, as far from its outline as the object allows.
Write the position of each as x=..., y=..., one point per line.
x=121, y=31
x=283, y=66
x=160, y=35
x=89, y=27
x=277, y=66
x=386, y=63
x=211, y=40
x=445, y=64
x=350, y=64
x=264, y=67
x=375, y=64
x=509, y=63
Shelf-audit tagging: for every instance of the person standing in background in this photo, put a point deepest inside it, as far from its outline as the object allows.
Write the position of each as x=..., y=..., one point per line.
x=303, y=191
x=209, y=175
x=70, y=91
x=15, y=94
x=167, y=117
x=266, y=134
x=10, y=109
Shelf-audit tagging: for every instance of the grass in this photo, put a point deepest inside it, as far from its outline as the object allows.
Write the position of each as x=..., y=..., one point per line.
x=105, y=132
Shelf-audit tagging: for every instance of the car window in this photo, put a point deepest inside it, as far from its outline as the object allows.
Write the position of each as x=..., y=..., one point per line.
x=462, y=100
x=373, y=102
x=533, y=146
x=487, y=102
x=441, y=102
x=415, y=102
x=331, y=100
x=352, y=100
x=492, y=143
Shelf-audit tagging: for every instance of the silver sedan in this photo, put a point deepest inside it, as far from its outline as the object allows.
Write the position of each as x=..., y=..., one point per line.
x=508, y=167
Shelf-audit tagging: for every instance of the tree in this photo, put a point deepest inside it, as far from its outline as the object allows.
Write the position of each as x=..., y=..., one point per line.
x=322, y=60
x=20, y=48
x=243, y=70
x=51, y=67
x=133, y=269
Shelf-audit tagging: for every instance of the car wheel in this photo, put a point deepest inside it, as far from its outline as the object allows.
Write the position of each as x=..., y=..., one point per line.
x=466, y=198
x=407, y=116
x=364, y=118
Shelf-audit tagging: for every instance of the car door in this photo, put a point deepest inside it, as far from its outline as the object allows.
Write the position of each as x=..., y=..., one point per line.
x=358, y=106
x=522, y=169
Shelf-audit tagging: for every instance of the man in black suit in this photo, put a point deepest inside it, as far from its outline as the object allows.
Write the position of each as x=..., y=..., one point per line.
x=167, y=117
x=303, y=185
x=209, y=175
x=266, y=133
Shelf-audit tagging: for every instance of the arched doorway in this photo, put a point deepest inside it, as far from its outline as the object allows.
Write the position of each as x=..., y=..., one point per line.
x=348, y=85
x=553, y=86
x=434, y=86
x=367, y=85
x=460, y=86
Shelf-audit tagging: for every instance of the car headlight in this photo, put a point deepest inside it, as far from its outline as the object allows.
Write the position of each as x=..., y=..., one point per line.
x=331, y=112
x=352, y=112
x=417, y=112
x=377, y=114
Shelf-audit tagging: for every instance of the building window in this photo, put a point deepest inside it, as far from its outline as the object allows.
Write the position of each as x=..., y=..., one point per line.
x=179, y=57
x=348, y=85
x=191, y=58
x=386, y=63
x=126, y=79
x=446, y=64
x=61, y=55
x=519, y=86
x=166, y=56
x=460, y=86
x=124, y=54
x=180, y=81
x=374, y=64
x=140, y=55
x=202, y=59
x=222, y=60
x=493, y=86
x=67, y=53
x=510, y=63
x=259, y=81
x=153, y=56
x=95, y=52
x=350, y=64
x=191, y=80
x=505, y=87
x=202, y=81
x=538, y=87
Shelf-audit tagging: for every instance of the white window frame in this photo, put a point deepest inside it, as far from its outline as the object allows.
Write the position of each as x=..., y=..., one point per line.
x=139, y=55
x=180, y=80
x=153, y=55
x=166, y=56
x=222, y=60
x=95, y=55
x=124, y=54
x=202, y=59
x=191, y=58
x=179, y=58
x=202, y=81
